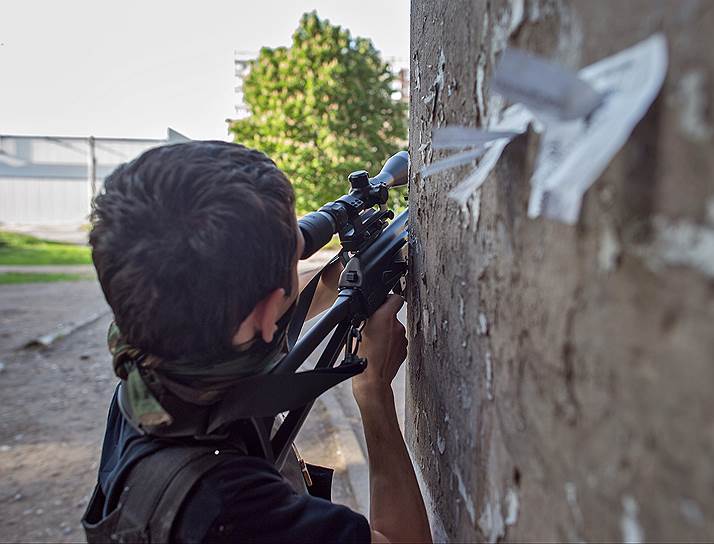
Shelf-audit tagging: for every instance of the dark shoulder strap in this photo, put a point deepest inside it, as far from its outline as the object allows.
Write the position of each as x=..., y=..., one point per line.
x=157, y=487
x=176, y=493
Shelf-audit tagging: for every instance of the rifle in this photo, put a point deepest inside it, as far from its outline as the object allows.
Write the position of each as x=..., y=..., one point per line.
x=374, y=250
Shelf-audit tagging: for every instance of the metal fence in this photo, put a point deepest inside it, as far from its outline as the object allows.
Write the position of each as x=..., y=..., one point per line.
x=47, y=180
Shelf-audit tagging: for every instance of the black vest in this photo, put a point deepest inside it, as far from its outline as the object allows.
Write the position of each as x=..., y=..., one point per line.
x=157, y=484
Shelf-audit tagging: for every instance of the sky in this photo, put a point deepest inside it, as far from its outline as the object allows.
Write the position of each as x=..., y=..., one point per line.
x=133, y=68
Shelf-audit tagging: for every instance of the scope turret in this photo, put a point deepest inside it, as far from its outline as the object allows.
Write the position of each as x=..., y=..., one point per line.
x=320, y=226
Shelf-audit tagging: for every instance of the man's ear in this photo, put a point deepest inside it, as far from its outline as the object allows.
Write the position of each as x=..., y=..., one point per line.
x=271, y=310
x=262, y=319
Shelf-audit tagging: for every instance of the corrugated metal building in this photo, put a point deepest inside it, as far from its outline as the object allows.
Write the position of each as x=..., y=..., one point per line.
x=48, y=180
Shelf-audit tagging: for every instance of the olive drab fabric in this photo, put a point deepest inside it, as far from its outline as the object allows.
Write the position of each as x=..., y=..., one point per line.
x=196, y=380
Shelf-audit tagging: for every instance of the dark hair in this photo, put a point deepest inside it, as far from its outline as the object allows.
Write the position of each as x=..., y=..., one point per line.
x=187, y=239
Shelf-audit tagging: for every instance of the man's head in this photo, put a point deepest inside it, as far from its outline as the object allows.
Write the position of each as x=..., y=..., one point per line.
x=195, y=246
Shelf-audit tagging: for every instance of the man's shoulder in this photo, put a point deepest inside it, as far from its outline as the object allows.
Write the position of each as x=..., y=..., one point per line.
x=245, y=497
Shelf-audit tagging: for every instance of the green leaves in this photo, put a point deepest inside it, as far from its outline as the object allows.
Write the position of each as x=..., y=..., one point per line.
x=321, y=109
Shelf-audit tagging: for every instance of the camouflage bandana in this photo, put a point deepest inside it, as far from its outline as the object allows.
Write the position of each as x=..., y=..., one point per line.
x=196, y=381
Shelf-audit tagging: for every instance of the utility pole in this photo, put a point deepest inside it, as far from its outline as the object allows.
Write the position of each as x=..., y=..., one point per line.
x=92, y=167
x=560, y=375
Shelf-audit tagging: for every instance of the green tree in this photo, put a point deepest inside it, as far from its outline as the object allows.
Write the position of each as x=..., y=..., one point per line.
x=320, y=109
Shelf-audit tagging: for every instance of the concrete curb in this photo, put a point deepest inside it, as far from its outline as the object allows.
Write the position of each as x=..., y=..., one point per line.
x=47, y=340
x=355, y=462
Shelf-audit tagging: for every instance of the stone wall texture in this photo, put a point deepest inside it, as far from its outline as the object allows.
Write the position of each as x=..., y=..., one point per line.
x=560, y=378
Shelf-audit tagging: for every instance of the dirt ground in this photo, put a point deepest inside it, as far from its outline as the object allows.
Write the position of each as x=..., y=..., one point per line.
x=53, y=404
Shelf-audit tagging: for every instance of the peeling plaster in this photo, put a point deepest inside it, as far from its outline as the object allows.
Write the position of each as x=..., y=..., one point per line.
x=471, y=210
x=680, y=243
x=571, y=496
x=491, y=521
x=507, y=24
x=632, y=532
x=534, y=11
x=482, y=324
x=609, y=250
x=439, y=79
x=512, y=506
x=489, y=376
x=570, y=37
x=468, y=501
x=517, y=13
x=440, y=442
x=480, y=77
x=691, y=100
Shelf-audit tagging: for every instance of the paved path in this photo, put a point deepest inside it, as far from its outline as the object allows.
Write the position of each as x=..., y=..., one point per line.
x=69, y=234
x=32, y=310
x=81, y=269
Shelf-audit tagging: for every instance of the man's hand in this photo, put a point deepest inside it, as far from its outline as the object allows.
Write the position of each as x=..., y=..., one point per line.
x=384, y=345
x=397, y=512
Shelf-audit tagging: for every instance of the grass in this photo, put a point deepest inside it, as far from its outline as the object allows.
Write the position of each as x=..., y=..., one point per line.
x=14, y=278
x=27, y=250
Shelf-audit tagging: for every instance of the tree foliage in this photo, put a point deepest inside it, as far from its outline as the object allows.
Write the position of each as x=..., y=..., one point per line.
x=320, y=109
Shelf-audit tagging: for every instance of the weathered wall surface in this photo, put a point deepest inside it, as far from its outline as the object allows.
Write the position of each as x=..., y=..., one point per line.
x=561, y=377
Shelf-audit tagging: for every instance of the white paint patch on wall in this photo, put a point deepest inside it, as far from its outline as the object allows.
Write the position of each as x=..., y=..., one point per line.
x=507, y=24
x=491, y=521
x=680, y=243
x=440, y=442
x=632, y=532
x=692, y=103
x=571, y=497
x=570, y=36
x=512, y=506
x=482, y=324
x=609, y=250
x=468, y=501
x=480, y=77
x=472, y=209
x=489, y=376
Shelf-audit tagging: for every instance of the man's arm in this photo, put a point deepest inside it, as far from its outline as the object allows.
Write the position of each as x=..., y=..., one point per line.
x=326, y=291
x=397, y=512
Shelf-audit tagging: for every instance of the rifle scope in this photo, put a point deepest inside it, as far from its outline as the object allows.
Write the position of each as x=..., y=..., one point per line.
x=343, y=215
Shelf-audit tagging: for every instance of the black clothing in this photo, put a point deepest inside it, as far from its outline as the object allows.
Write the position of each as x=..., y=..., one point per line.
x=244, y=498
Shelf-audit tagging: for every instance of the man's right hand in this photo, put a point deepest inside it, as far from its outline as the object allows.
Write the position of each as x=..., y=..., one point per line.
x=391, y=476
x=384, y=345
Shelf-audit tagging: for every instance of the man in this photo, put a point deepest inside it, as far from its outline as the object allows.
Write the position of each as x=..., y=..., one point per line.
x=196, y=248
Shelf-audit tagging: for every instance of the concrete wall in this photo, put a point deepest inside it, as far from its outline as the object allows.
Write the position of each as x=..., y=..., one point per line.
x=560, y=377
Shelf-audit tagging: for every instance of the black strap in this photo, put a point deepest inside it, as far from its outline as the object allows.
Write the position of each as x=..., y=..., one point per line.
x=176, y=493
x=147, y=483
x=304, y=302
x=156, y=488
x=270, y=394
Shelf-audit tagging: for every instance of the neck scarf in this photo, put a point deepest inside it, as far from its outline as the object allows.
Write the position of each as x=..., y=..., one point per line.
x=196, y=380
